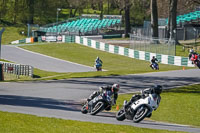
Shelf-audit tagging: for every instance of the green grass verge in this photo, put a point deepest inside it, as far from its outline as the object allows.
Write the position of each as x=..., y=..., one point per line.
x=11, y=34
x=20, y=123
x=179, y=105
x=115, y=64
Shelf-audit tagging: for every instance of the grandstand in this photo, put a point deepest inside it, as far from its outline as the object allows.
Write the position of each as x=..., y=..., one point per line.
x=84, y=25
x=192, y=17
x=188, y=27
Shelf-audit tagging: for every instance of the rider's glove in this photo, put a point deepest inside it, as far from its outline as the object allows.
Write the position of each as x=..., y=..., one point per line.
x=100, y=89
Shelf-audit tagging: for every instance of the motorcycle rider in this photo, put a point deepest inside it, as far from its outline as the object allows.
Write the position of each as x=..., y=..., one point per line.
x=98, y=61
x=157, y=89
x=193, y=56
x=110, y=91
x=154, y=60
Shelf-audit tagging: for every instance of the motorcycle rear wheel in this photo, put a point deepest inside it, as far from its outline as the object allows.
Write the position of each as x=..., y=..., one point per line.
x=97, y=108
x=140, y=114
x=120, y=115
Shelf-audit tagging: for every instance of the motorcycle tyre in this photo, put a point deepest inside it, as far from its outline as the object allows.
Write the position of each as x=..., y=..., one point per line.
x=120, y=115
x=84, y=110
x=142, y=116
x=100, y=108
x=198, y=64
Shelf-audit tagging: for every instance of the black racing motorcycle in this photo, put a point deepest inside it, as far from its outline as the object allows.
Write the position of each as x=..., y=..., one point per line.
x=97, y=104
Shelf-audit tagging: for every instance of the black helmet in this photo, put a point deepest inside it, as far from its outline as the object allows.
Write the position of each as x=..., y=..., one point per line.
x=157, y=89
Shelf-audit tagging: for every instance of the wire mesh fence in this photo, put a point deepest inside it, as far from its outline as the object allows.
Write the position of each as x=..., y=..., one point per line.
x=153, y=45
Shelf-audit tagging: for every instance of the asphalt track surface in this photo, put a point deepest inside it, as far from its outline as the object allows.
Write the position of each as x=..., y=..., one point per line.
x=63, y=98
x=43, y=62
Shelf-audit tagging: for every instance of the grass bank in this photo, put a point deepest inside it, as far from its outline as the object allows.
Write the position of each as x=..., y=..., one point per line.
x=20, y=123
x=179, y=105
x=11, y=34
x=115, y=64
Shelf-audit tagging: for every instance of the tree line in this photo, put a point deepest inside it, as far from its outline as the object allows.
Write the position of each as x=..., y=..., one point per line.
x=134, y=12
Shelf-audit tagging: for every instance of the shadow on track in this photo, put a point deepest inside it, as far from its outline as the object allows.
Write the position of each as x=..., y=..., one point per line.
x=130, y=83
x=68, y=105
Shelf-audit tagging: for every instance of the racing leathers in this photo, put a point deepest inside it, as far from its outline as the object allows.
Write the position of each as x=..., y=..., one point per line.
x=144, y=93
x=153, y=61
x=108, y=93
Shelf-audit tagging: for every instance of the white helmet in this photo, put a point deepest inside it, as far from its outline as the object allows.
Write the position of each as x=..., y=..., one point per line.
x=191, y=51
x=115, y=87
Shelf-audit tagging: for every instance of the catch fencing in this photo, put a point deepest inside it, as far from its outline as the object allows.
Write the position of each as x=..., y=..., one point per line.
x=17, y=69
x=153, y=45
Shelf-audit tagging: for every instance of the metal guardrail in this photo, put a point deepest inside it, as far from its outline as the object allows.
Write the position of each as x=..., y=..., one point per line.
x=17, y=69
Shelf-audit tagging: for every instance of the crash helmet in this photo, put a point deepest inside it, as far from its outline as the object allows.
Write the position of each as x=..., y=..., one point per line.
x=115, y=87
x=157, y=89
x=191, y=51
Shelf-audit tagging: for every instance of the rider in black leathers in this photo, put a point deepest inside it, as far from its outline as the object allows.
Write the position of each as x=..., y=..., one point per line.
x=154, y=60
x=110, y=90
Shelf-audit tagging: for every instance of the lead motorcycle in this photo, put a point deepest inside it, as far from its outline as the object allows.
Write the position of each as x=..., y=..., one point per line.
x=98, y=104
x=139, y=109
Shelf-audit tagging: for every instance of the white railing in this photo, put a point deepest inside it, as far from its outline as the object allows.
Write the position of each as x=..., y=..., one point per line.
x=17, y=69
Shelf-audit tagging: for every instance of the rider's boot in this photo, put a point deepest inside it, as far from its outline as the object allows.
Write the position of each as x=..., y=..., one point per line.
x=93, y=95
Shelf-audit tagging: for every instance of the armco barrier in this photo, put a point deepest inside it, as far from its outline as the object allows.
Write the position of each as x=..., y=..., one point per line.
x=26, y=40
x=142, y=55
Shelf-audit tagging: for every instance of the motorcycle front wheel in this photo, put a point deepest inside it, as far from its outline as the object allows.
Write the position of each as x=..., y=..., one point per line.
x=140, y=114
x=120, y=115
x=198, y=64
x=84, y=109
x=97, y=108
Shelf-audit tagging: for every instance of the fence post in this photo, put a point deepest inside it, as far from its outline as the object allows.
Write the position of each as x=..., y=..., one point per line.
x=1, y=73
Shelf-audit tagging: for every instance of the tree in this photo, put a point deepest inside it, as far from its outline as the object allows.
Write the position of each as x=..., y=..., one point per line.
x=31, y=7
x=154, y=18
x=172, y=20
x=127, y=17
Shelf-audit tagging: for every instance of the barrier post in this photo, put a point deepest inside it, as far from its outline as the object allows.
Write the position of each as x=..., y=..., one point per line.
x=1, y=73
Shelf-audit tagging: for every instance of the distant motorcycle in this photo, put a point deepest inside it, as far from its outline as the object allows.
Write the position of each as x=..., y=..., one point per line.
x=98, y=66
x=155, y=66
x=139, y=109
x=197, y=63
x=97, y=104
x=195, y=58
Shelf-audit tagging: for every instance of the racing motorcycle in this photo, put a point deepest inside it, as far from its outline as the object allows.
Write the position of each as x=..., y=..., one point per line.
x=197, y=63
x=98, y=104
x=195, y=60
x=155, y=66
x=98, y=66
x=139, y=109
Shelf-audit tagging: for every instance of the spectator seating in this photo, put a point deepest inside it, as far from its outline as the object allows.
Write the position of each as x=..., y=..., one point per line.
x=189, y=17
x=83, y=25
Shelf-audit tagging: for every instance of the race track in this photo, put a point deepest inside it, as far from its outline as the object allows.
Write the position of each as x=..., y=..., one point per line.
x=63, y=98
x=43, y=62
